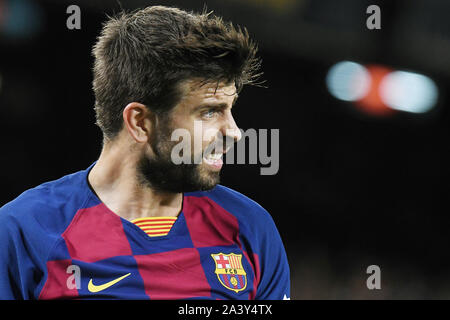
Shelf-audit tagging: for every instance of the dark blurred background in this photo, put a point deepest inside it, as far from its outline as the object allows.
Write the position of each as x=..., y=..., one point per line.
x=360, y=183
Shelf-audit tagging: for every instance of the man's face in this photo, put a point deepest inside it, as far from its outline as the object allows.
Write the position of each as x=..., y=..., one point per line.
x=203, y=110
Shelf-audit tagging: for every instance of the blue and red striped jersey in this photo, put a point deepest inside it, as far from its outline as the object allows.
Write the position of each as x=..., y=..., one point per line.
x=59, y=241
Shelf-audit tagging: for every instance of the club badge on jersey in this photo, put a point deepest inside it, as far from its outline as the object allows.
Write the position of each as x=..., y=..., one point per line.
x=230, y=271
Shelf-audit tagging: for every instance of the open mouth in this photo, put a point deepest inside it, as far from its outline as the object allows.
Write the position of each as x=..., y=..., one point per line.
x=213, y=155
x=214, y=160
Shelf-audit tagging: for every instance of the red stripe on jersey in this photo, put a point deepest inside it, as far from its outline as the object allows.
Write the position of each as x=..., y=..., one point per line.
x=209, y=224
x=56, y=285
x=95, y=234
x=176, y=274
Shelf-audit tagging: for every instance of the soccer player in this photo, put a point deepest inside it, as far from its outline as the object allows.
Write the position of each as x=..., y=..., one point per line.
x=136, y=225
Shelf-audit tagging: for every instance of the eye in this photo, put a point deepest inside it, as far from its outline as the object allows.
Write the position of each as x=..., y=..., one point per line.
x=210, y=113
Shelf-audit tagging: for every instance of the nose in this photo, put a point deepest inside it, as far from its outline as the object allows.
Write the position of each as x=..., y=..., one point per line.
x=230, y=129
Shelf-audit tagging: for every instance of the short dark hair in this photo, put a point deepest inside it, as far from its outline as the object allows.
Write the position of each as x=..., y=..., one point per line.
x=143, y=56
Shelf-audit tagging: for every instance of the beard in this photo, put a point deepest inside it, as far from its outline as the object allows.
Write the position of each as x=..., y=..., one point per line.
x=159, y=173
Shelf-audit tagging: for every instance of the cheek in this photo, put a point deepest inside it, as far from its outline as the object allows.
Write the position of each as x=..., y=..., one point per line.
x=202, y=135
x=210, y=134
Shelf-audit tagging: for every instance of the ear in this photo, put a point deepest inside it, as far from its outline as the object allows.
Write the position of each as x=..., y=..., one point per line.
x=138, y=121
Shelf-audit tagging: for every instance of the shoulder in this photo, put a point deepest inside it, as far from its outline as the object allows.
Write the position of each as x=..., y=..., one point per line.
x=239, y=205
x=45, y=204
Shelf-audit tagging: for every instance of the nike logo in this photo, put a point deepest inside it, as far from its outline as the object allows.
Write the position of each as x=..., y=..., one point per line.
x=93, y=288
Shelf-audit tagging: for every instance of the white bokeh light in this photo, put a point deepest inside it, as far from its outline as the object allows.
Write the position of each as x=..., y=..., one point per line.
x=348, y=81
x=410, y=92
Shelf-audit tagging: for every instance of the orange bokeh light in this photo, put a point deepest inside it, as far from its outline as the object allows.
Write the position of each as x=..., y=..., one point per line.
x=372, y=103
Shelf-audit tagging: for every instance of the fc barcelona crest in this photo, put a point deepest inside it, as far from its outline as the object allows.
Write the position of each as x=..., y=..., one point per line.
x=230, y=271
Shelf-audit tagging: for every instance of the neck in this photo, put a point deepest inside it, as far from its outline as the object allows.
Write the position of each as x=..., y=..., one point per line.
x=114, y=180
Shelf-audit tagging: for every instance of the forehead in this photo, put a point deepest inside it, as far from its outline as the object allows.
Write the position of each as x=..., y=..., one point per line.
x=195, y=91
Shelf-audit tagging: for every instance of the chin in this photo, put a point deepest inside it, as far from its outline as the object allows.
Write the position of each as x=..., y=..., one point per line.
x=208, y=179
x=209, y=184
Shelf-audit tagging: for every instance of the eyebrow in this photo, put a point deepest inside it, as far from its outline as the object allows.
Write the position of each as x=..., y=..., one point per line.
x=215, y=105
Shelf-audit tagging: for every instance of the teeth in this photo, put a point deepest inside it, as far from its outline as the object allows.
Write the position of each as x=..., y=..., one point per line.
x=215, y=156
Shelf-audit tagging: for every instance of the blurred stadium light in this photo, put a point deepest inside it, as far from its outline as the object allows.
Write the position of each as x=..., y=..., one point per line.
x=410, y=92
x=378, y=90
x=20, y=19
x=348, y=81
x=372, y=103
